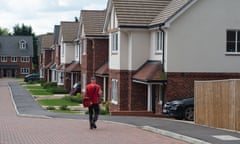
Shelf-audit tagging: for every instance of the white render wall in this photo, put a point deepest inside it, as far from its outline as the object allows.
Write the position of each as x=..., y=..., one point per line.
x=134, y=47
x=196, y=41
x=69, y=55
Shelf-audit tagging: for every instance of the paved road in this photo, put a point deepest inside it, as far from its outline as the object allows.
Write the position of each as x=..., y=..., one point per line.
x=190, y=132
x=40, y=130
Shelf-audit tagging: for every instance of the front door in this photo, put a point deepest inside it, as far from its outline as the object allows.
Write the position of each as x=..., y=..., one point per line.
x=4, y=72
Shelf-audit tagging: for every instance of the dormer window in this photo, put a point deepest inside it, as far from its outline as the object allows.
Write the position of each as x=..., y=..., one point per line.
x=22, y=44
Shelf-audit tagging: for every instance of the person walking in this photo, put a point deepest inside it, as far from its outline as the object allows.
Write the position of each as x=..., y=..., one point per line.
x=93, y=92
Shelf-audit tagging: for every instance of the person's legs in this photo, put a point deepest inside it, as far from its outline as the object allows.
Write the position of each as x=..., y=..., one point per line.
x=90, y=111
x=96, y=112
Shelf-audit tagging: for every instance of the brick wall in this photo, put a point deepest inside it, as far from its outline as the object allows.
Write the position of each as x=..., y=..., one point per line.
x=180, y=85
x=95, y=57
x=139, y=97
x=20, y=65
x=131, y=96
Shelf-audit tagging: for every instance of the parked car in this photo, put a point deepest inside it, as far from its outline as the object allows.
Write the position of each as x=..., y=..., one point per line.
x=32, y=77
x=180, y=109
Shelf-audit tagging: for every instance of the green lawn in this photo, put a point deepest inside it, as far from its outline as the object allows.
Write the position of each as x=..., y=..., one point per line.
x=57, y=102
x=34, y=87
x=39, y=92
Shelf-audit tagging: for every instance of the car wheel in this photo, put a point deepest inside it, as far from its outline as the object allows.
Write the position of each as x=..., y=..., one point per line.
x=189, y=113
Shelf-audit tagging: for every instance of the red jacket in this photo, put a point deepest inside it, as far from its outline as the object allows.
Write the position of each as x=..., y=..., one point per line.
x=92, y=91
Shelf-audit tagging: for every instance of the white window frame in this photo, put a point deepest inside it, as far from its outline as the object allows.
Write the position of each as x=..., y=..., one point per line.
x=54, y=76
x=22, y=44
x=25, y=59
x=84, y=46
x=60, y=78
x=84, y=81
x=24, y=70
x=77, y=52
x=159, y=42
x=3, y=59
x=114, y=42
x=13, y=59
x=235, y=42
x=114, y=98
x=62, y=49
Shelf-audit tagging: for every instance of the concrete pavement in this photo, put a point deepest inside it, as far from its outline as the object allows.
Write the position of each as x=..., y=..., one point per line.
x=26, y=106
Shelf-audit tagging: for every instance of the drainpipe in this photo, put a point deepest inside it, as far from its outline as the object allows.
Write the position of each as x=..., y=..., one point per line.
x=163, y=63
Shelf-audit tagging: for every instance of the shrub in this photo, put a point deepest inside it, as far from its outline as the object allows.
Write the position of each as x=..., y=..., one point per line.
x=48, y=84
x=57, y=90
x=77, y=98
x=63, y=107
x=51, y=108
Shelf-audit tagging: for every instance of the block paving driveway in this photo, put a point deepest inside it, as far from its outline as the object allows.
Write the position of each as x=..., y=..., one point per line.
x=27, y=130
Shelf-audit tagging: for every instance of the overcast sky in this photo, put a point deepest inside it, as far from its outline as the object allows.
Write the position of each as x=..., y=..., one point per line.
x=42, y=15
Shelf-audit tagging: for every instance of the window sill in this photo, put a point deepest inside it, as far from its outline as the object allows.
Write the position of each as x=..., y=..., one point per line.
x=114, y=52
x=114, y=102
x=158, y=52
x=232, y=53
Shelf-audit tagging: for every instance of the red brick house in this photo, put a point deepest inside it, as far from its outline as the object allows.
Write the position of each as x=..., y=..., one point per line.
x=68, y=69
x=159, y=48
x=16, y=56
x=46, y=55
x=94, y=47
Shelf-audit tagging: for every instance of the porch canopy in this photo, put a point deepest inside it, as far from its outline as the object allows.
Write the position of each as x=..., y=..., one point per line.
x=150, y=72
x=74, y=67
x=103, y=71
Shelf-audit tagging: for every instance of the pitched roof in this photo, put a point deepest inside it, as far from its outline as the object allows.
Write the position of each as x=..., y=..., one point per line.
x=169, y=11
x=145, y=13
x=103, y=70
x=46, y=40
x=9, y=46
x=151, y=71
x=74, y=67
x=138, y=12
x=93, y=21
x=68, y=30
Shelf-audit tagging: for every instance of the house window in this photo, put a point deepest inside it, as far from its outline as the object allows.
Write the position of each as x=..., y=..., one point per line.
x=24, y=70
x=62, y=50
x=159, y=41
x=114, y=91
x=60, y=78
x=233, y=41
x=77, y=51
x=84, y=81
x=54, y=78
x=114, y=41
x=25, y=59
x=3, y=59
x=22, y=44
x=84, y=47
x=14, y=59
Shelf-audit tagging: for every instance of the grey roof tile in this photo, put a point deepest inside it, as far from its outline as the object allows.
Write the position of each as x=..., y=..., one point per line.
x=93, y=21
x=68, y=30
x=169, y=11
x=138, y=12
x=9, y=46
x=46, y=40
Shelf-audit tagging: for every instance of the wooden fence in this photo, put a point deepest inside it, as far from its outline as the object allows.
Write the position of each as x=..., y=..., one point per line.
x=217, y=104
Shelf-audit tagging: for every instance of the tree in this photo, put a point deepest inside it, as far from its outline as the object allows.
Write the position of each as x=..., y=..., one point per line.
x=27, y=31
x=23, y=30
x=4, y=31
